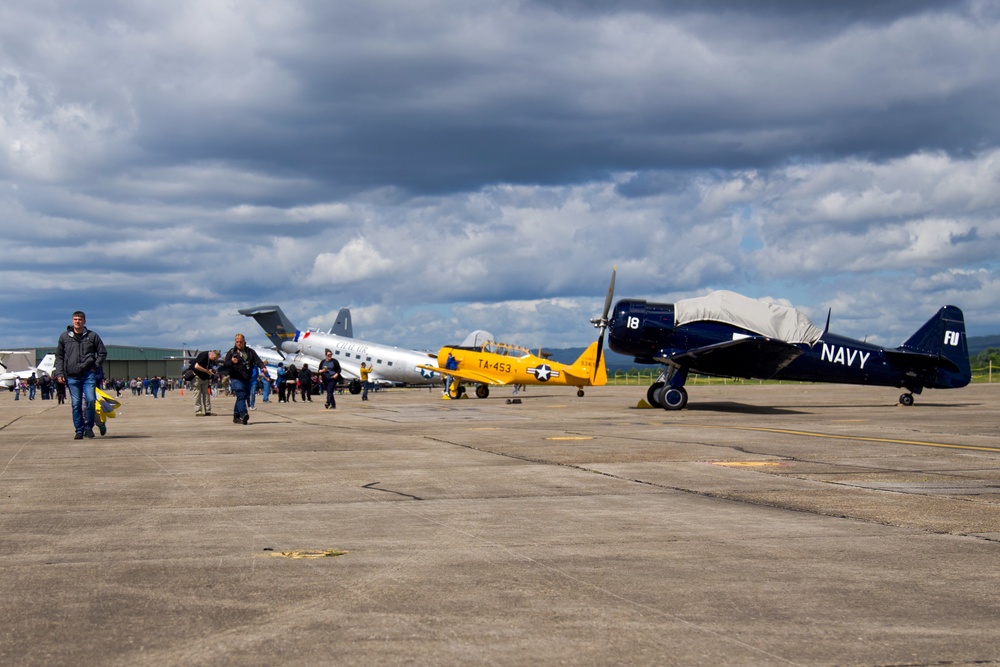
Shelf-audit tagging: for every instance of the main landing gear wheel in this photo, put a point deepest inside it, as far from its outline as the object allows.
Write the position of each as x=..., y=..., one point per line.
x=455, y=389
x=482, y=391
x=651, y=394
x=672, y=398
x=354, y=387
x=906, y=399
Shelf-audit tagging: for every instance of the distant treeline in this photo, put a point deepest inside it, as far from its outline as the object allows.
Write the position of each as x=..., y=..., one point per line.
x=979, y=344
x=988, y=357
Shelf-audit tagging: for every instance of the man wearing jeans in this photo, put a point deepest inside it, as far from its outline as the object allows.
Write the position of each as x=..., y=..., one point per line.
x=79, y=353
x=240, y=362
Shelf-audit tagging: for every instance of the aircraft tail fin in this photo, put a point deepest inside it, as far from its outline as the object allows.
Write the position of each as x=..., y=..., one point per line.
x=343, y=326
x=943, y=336
x=584, y=367
x=277, y=327
x=47, y=364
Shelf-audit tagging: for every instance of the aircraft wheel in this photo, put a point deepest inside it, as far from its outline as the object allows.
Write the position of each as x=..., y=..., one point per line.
x=674, y=399
x=652, y=394
x=455, y=389
x=579, y=392
x=354, y=387
x=482, y=391
x=906, y=399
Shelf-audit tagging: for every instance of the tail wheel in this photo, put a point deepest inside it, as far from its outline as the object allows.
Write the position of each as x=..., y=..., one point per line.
x=579, y=392
x=906, y=399
x=482, y=391
x=652, y=394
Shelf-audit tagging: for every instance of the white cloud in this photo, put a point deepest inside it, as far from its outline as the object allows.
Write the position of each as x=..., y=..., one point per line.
x=357, y=261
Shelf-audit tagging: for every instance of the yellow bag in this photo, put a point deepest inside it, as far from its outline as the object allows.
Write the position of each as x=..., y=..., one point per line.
x=105, y=407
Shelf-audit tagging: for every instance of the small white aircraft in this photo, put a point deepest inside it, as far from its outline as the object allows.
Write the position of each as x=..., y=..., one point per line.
x=271, y=357
x=389, y=364
x=7, y=377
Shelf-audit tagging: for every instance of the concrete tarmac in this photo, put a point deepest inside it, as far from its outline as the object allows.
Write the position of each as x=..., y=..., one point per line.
x=764, y=525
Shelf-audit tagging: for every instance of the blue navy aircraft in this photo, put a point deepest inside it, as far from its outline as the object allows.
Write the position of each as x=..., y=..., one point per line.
x=729, y=335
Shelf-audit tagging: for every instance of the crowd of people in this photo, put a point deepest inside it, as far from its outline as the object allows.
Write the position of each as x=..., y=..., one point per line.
x=240, y=373
x=45, y=388
x=39, y=386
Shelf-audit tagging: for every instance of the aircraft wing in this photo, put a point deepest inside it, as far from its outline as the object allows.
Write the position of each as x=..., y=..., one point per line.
x=751, y=357
x=466, y=375
x=350, y=371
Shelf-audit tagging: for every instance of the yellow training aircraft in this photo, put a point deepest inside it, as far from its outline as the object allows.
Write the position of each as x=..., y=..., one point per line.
x=493, y=363
x=499, y=363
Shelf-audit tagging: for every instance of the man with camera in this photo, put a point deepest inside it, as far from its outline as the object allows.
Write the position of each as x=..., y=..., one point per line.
x=204, y=368
x=240, y=362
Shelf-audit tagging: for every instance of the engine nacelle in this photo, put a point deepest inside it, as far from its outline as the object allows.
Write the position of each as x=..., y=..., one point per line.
x=640, y=329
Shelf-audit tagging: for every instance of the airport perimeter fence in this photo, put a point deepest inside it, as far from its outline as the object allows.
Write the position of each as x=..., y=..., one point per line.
x=647, y=376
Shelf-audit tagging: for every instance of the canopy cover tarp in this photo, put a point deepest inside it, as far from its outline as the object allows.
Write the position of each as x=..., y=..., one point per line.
x=767, y=319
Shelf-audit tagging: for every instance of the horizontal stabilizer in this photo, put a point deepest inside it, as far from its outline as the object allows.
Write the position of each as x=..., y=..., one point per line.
x=921, y=362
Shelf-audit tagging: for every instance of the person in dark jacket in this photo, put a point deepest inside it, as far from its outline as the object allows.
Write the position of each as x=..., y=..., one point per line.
x=80, y=353
x=204, y=368
x=291, y=380
x=306, y=383
x=240, y=362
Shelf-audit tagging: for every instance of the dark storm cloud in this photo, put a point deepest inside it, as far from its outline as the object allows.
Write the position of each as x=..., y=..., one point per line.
x=821, y=15
x=426, y=108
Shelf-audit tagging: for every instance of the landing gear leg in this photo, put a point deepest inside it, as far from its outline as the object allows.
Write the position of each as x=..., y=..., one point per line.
x=668, y=391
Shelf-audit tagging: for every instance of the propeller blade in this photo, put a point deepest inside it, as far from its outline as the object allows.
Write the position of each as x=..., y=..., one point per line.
x=609, y=297
x=603, y=322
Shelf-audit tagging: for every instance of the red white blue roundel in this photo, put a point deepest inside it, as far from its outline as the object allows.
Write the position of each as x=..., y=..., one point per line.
x=543, y=372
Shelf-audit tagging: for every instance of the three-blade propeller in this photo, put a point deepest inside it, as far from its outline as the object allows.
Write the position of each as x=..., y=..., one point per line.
x=602, y=321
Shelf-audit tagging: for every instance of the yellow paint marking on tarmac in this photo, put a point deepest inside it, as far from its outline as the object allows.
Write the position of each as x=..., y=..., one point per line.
x=746, y=464
x=570, y=437
x=831, y=436
x=307, y=553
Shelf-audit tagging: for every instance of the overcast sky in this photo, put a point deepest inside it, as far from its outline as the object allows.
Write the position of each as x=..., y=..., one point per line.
x=443, y=165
